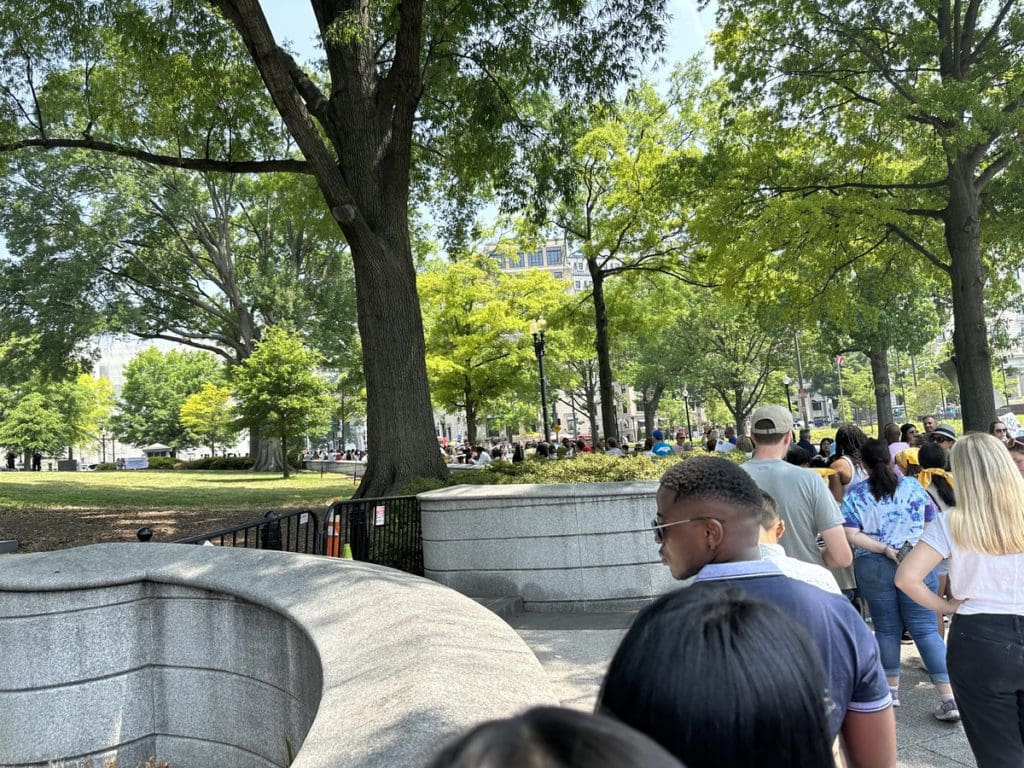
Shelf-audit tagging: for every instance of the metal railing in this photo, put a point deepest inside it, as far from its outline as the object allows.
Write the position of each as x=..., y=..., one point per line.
x=297, y=531
x=385, y=531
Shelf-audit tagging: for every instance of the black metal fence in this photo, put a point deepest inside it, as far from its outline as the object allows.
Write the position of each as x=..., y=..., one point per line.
x=289, y=532
x=385, y=531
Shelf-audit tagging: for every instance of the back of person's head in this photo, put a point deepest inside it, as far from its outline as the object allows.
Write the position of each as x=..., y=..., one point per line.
x=721, y=679
x=713, y=478
x=551, y=737
x=818, y=461
x=874, y=454
x=933, y=456
x=744, y=444
x=797, y=455
x=989, y=514
x=849, y=441
x=611, y=442
x=764, y=438
x=891, y=432
x=805, y=434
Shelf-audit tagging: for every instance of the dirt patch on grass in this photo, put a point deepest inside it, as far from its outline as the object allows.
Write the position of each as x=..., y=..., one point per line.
x=41, y=530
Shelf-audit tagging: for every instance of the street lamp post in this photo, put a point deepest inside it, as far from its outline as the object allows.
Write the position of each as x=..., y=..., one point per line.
x=686, y=403
x=537, y=329
x=786, y=381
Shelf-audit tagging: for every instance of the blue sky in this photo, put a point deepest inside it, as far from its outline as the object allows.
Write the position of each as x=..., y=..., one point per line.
x=687, y=34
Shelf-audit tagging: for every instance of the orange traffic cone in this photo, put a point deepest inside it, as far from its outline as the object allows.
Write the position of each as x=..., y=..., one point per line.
x=334, y=537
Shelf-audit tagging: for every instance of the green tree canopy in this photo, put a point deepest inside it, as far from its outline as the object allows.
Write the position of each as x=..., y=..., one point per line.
x=281, y=390
x=905, y=115
x=477, y=320
x=34, y=424
x=156, y=385
x=211, y=416
x=179, y=85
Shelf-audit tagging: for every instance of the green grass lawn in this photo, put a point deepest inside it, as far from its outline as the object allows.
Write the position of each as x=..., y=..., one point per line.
x=154, y=489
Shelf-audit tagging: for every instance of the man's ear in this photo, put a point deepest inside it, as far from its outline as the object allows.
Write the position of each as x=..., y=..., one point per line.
x=714, y=533
x=780, y=529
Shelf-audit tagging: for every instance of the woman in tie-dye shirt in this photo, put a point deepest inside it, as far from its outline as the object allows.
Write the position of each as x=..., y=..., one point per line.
x=881, y=515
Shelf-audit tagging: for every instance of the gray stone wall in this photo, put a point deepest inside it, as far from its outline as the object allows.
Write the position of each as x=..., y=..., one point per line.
x=209, y=656
x=585, y=547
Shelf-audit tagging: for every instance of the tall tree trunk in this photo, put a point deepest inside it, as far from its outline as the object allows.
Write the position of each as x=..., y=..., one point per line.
x=590, y=393
x=268, y=454
x=880, y=378
x=365, y=179
x=286, y=467
x=470, y=419
x=265, y=455
x=609, y=421
x=650, y=405
x=970, y=332
x=401, y=443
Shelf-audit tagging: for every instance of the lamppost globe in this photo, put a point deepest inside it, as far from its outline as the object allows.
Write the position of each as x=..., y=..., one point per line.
x=786, y=380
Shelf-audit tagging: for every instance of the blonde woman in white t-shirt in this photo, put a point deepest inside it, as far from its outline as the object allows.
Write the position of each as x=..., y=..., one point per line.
x=983, y=537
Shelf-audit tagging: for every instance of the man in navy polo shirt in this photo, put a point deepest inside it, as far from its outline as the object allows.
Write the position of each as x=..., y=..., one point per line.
x=709, y=513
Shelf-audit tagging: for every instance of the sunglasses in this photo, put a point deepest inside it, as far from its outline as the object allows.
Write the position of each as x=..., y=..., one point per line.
x=658, y=526
x=999, y=431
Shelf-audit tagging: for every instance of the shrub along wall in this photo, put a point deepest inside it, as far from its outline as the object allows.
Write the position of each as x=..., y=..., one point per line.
x=589, y=468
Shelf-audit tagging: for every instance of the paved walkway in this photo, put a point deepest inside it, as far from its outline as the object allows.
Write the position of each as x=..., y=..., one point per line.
x=574, y=649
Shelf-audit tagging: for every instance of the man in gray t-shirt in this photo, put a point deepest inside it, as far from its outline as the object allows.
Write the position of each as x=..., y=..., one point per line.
x=804, y=502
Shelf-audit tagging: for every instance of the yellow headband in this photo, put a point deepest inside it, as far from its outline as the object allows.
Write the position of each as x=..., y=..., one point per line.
x=906, y=457
x=926, y=476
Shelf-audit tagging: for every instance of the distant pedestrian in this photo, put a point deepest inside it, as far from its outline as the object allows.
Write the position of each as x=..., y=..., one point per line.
x=805, y=441
x=10, y=459
x=613, y=448
x=661, y=447
x=37, y=462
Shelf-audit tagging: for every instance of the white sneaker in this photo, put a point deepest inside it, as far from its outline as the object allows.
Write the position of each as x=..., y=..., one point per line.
x=948, y=712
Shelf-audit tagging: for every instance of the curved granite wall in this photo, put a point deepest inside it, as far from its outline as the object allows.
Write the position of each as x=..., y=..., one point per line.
x=585, y=547
x=203, y=656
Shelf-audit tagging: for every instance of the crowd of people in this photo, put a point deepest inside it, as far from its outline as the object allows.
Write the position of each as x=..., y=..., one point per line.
x=801, y=574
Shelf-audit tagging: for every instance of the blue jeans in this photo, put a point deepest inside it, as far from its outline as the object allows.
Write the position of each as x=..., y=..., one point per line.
x=891, y=610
